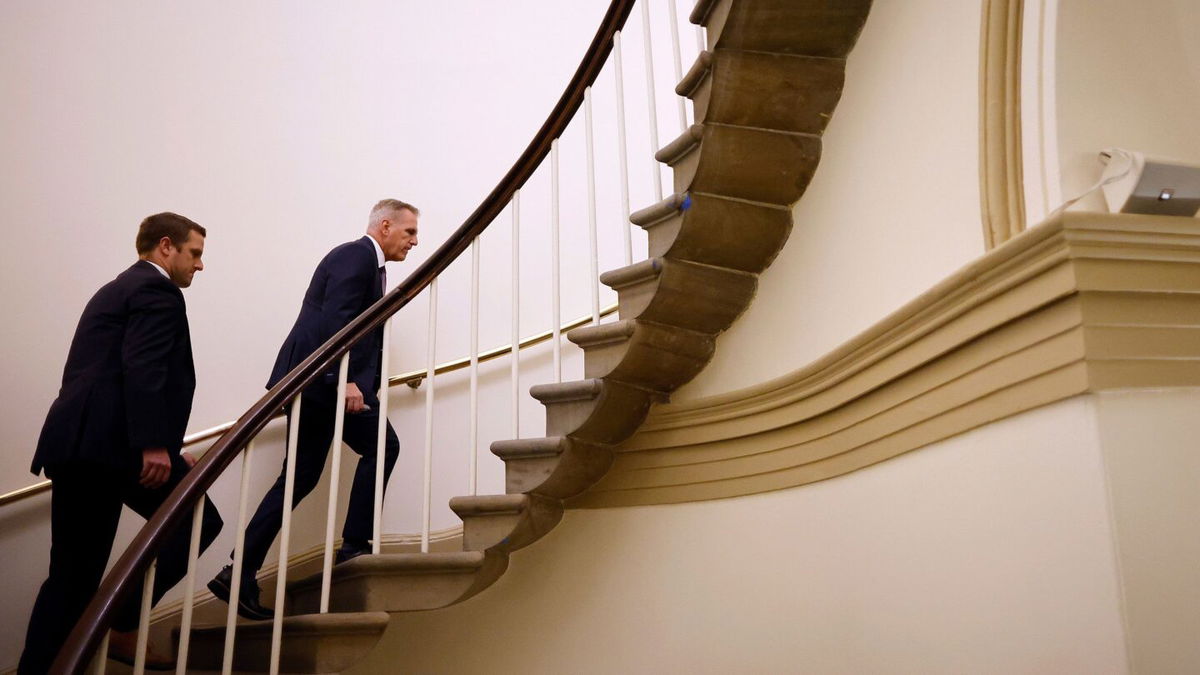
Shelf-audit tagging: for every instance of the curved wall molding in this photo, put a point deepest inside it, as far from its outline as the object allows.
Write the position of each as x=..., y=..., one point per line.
x=1081, y=303
x=1042, y=180
x=1001, y=181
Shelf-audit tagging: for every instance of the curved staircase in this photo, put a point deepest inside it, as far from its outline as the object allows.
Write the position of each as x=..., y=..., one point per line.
x=763, y=92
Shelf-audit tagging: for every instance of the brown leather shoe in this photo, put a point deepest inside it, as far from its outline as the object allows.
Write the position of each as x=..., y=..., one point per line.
x=122, y=647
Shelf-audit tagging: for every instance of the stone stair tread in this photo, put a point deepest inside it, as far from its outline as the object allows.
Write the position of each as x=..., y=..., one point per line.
x=339, y=623
x=553, y=466
x=680, y=342
x=561, y=392
x=519, y=448
x=715, y=230
x=806, y=89
x=660, y=210
x=631, y=274
x=772, y=166
x=505, y=522
x=605, y=333
x=400, y=582
x=825, y=29
x=489, y=504
x=396, y=563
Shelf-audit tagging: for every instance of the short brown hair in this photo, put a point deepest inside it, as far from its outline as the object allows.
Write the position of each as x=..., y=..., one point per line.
x=166, y=224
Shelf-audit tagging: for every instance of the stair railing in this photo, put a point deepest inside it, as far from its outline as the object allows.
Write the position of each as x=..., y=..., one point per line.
x=187, y=498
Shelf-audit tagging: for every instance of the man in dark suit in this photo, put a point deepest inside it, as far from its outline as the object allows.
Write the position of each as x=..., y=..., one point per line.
x=347, y=281
x=114, y=433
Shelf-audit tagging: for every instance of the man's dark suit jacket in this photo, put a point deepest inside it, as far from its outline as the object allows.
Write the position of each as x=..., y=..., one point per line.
x=345, y=283
x=129, y=377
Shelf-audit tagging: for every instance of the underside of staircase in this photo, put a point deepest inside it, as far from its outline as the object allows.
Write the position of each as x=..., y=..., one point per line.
x=763, y=92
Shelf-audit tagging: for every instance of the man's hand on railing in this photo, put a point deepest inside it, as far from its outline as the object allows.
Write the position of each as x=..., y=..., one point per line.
x=354, y=399
x=189, y=458
x=156, y=467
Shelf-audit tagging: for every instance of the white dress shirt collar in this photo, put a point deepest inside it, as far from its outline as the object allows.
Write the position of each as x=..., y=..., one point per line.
x=378, y=251
x=159, y=268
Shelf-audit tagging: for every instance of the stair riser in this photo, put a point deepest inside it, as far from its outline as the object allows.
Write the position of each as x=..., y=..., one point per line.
x=770, y=91
x=758, y=165
x=366, y=594
x=722, y=233
x=657, y=358
x=508, y=532
x=404, y=592
x=694, y=297
x=829, y=28
x=606, y=420
x=559, y=476
x=254, y=655
x=701, y=97
x=327, y=645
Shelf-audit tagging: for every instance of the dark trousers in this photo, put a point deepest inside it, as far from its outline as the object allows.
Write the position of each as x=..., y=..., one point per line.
x=85, y=506
x=361, y=433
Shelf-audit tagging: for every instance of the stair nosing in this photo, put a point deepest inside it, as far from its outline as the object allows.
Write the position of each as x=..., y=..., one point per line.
x=660, y=210
x=695, y=75
x=687, y=141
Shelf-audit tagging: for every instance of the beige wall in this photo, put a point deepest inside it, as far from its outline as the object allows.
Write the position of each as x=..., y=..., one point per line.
x=1153, y=467
x=1128, y=76
x=894, y=206
x=987, y=553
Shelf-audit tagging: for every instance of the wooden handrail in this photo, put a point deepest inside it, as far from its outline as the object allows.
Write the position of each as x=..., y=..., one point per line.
x=120, y=581
x=412, y=378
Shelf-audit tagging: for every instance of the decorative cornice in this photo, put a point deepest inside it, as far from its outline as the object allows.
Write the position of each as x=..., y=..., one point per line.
x=1081, y=303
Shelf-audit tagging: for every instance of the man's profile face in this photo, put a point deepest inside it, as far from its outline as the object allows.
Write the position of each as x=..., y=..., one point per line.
x=398, y=234
x=182, y=263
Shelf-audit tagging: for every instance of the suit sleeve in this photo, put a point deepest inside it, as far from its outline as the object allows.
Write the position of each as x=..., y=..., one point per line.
x=347, y=293
x=155, y=317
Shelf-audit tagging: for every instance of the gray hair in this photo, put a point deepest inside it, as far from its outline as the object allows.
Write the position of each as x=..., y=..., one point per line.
x=385, y=208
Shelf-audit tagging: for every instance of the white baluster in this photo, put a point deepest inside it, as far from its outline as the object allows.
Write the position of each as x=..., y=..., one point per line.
x=285, y=533
x=429, y=380
x=648, y=48
x=674, y=20
x=143, y=635
x=239, y=544
x=555, y=263
x=516, y=314
x=381, y=438
x=101, y=656
x=474, y=435
x=593, y=246
x=189, y=590
x=622, y=151
x=335, y=477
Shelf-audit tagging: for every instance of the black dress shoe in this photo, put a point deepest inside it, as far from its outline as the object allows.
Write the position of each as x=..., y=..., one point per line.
x=349, y=553
x=248, y=606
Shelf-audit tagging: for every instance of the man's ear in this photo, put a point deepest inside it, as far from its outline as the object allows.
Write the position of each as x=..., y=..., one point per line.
x=165, y=245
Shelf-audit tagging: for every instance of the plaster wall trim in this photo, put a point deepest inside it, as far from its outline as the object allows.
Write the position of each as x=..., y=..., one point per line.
x=1042, y=184
x=1084, y=302
x=1001, y=180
